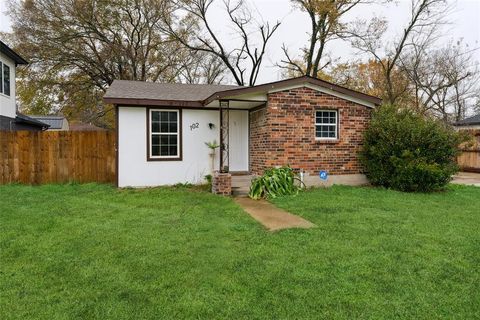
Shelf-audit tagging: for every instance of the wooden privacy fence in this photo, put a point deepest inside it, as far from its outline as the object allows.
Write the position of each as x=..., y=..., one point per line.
x=469, y=160
x=57, y=157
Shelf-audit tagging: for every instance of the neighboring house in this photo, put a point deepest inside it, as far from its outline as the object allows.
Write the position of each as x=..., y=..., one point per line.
x=10, y=118
x=472, y=123
x=309, y=124
x=56, y=123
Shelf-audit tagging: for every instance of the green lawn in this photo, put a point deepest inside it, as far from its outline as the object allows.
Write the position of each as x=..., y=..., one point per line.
x=91, y=251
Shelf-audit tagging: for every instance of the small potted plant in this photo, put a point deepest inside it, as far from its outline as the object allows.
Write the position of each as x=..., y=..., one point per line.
x=213, y=147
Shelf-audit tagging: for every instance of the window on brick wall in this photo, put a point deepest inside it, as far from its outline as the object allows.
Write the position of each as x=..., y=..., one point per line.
x=326, y=124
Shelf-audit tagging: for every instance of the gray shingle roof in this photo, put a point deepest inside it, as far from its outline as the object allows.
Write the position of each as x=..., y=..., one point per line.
x=55, y=122
x=137, y=93
x=163, y=91
x=30, y=120
x=469, y=121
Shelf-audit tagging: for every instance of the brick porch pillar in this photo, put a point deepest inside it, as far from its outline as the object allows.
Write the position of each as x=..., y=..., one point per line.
x=222, y=183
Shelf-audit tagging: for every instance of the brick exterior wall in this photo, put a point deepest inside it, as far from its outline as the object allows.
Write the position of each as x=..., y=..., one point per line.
x=222, y=184
x=283, y=133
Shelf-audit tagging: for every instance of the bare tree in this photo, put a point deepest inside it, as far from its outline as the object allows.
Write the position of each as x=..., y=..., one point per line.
x=446, y=80
x=244, y=60
x=476, y=103
x=326, y=20
x=202, y=67
x=426, y=16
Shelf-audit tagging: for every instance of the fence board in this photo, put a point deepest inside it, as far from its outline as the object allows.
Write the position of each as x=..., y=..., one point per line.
x=57, y=157
x=469, y=159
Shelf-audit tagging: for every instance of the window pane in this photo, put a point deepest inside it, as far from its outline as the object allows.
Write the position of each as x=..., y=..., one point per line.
x=172, y=116
x=155, y=151
x=173, y=127
x=164, y=140
x=6, y=79
x=155, y=127
x=155, y=116
x=164, y=116
x=319, y=132
x=164, y=127
x=326, y=117
x=155, y=140
x=173, y=139
x=164, y=151
x=165, y=145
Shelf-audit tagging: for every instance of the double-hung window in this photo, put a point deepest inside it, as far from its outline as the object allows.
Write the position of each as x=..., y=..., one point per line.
x=326, y=124
x=1, y=77
x=4, y=79
x=164, y=135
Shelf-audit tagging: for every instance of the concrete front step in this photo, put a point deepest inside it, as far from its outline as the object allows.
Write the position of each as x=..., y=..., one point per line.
x=241, y=185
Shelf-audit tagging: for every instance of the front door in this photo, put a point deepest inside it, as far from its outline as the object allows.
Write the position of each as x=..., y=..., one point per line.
x=238, y=136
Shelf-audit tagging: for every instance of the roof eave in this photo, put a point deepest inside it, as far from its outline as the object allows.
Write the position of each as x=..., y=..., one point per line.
x=152, y=102
x=26, y=119
x=294, y=81
x=463, y=124
x=6, y=50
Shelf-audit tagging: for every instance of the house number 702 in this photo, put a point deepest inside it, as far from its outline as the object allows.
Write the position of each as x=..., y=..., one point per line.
x=194, y=126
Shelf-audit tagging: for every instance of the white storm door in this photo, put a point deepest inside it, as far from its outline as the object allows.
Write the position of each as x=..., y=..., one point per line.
x=238, y=126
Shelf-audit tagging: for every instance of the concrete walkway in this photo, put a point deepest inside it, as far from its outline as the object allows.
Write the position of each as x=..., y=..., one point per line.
x=270, y=216
x=467, y=178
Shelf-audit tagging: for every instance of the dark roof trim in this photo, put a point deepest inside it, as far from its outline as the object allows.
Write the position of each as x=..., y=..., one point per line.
x=26, y=119
x=152, y=102
x=469, y=121
x=291, y=82
x=11, y=54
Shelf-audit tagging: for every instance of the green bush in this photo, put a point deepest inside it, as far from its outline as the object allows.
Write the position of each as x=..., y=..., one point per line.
x=275, y=182
x=408, y=152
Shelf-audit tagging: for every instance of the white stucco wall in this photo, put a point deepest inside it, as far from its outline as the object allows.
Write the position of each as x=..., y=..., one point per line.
x=7, y=103
x=136, y=171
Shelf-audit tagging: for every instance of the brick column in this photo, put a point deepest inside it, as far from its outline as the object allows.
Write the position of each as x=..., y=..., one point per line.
x=222, y=183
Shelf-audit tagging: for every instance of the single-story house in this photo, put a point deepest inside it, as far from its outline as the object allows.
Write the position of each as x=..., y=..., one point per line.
x=10, y=118
x=309, y=124
x=55, y=123
x=471, y=123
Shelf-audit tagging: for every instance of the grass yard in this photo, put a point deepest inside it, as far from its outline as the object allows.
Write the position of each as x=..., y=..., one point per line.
x=91, y=251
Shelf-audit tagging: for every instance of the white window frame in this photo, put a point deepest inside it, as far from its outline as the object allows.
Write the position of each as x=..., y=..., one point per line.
x=178, y=133
x=336, y=124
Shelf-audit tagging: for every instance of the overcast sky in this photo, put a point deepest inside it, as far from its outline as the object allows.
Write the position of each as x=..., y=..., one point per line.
x=465, y=24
